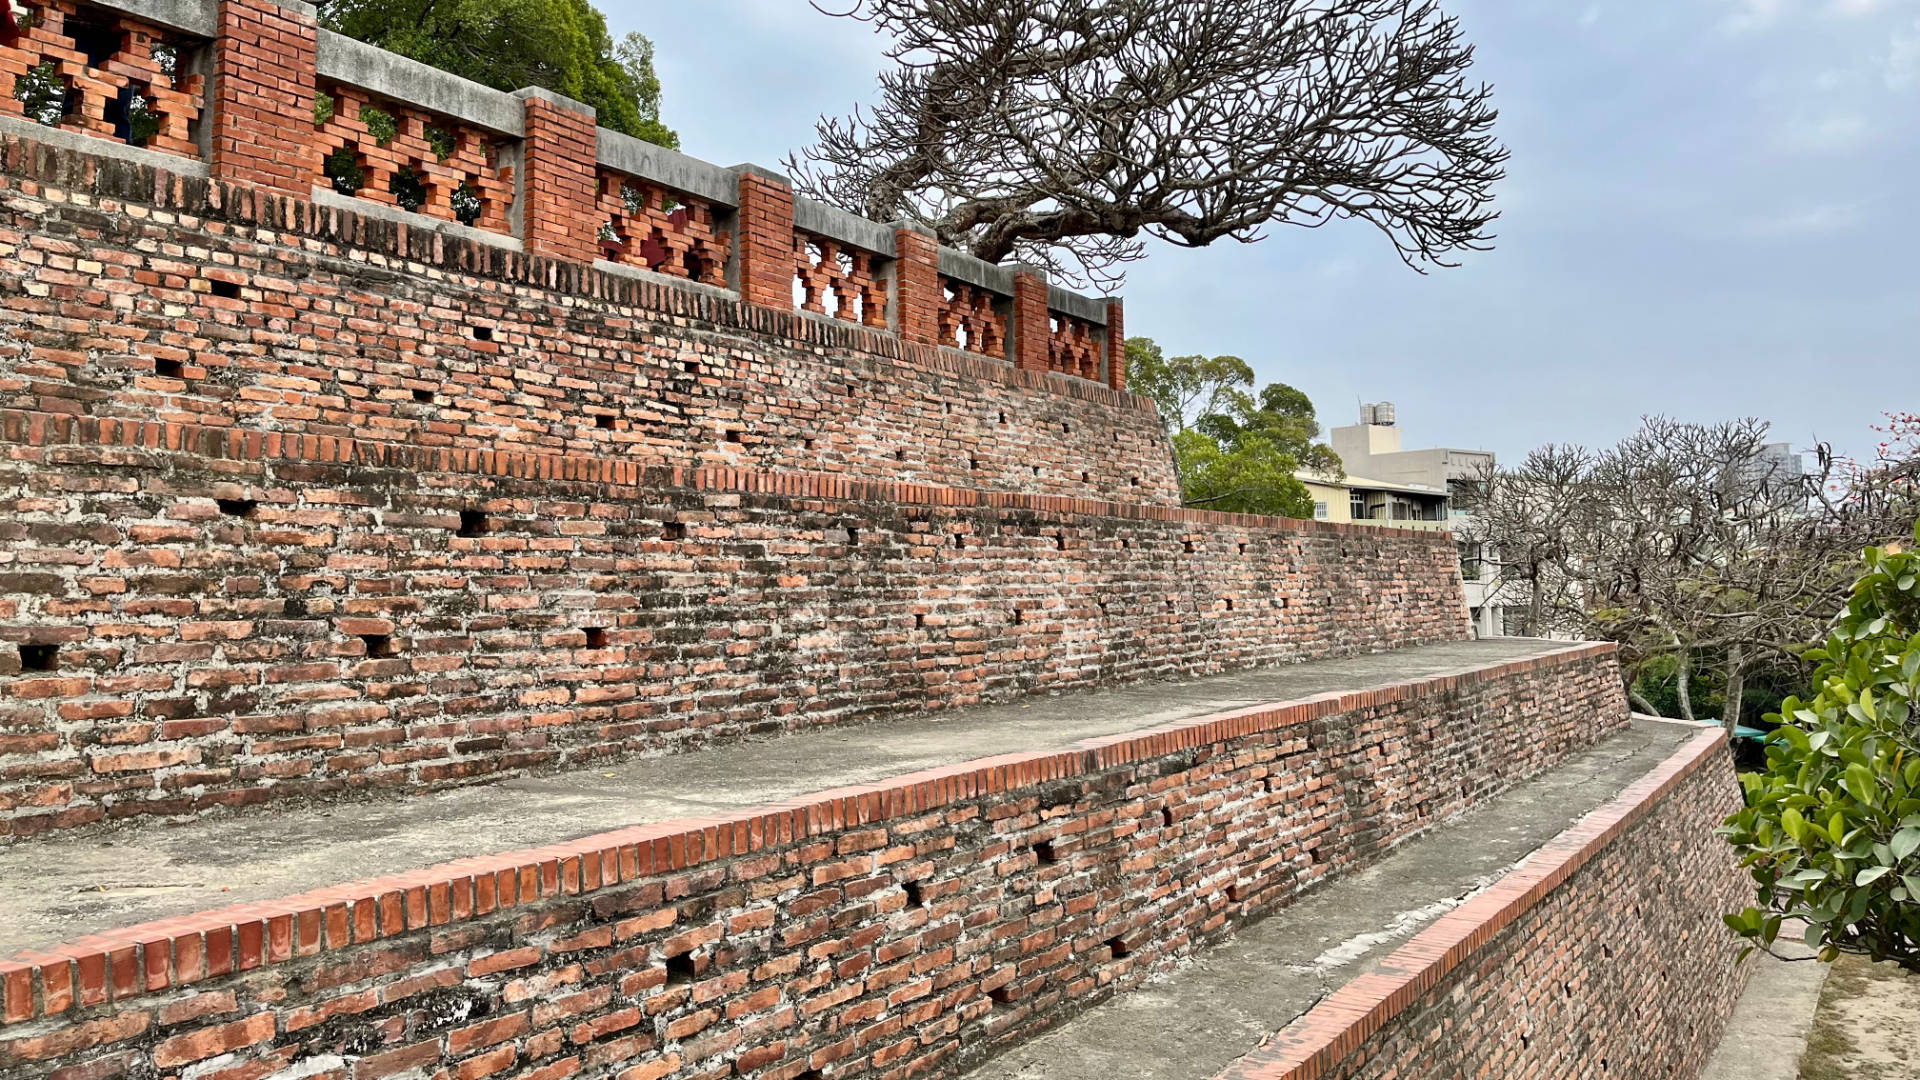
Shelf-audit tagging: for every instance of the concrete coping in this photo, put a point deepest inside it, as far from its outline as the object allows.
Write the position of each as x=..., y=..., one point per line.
x=100, y=146
x=1067, y=302
x=964, y=267
x=836, y=224
x=380, y=211
x=671, y=168
x=200, y=18
x=339, y=58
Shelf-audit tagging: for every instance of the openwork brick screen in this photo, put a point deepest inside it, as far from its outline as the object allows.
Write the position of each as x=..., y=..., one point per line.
x=103, y=74
x=832, y=278
x=399, y=156
x=1073, y=346
x=660, y=229
x=970, y=320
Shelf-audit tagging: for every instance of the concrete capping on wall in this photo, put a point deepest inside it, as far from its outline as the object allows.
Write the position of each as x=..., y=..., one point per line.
x=670, y=168
x=642, y=274
x=418, y=222
x=836, y=224
x=986, y=275
x=1093, y=310
x=1315, y=1044
x=15, y=127
x=342, y=59
x=175, y=952
x=200, y=18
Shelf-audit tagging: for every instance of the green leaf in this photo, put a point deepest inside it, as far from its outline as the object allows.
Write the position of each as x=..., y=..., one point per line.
x=1871, y=874
x=1904, y=843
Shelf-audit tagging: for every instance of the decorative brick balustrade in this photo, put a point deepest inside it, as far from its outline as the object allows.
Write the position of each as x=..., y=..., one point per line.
x=103, y=74
x=838, y=280
x=306, y=112
x=662, y=230
x=399, y=156
x=1073, y=347
x=970, y=320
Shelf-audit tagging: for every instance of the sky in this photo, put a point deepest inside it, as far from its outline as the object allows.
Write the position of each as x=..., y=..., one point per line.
x=1712, y=211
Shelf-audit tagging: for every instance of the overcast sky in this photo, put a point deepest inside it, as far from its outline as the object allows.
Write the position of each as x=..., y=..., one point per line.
x=1712, y=211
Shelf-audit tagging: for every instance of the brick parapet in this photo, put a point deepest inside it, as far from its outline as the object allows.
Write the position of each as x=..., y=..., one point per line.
x=1030, y=322
x=1301, y=791
x=582, y=356
x=261, y=107
x=1604, y=952
x=285, y=113
x=916, y=286
x=559, y=191
x=1116, y=343
x=765, y=240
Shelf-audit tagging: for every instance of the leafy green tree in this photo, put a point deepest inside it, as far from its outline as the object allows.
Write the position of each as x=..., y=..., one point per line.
x=1234, y=449
x=1831, y=830
x=562, y=45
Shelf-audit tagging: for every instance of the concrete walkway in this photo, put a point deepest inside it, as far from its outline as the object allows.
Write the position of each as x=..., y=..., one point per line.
x=58, y=888
x=1190, y=1023
x=1768, y=1030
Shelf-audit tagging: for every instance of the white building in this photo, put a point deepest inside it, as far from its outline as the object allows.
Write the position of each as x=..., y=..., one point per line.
x=1372, y=448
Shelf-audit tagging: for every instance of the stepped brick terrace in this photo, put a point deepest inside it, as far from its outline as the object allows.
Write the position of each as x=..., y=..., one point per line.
x=483, y=596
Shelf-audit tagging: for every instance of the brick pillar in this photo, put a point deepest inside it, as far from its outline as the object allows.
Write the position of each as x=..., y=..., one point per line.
x=763, y=238
x=559, y=177
x=1030, y=330
x=262, y=97
x=1116, y=345
x=916, y=284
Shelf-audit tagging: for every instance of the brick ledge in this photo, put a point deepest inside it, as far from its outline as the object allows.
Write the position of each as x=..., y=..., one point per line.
x=1312, y=1045
x=44, y=429
x=174, y=952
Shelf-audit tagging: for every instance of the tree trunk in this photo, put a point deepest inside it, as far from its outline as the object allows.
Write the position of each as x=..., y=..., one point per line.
x=1640, y=703
x=1533, y=602
x=1683, y=673
x=1736, y=687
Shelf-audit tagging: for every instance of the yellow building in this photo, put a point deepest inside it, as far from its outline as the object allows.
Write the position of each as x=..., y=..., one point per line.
x=1378, y=502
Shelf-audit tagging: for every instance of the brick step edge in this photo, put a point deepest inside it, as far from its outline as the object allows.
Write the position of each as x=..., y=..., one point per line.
x=179, y=951
x=1341, y=1023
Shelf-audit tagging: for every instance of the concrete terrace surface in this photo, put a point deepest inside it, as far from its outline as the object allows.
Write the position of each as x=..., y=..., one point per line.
x=1196, y=1019
x=58, y=888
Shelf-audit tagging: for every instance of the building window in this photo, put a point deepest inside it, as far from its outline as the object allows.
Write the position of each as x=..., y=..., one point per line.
x=1320, y=510
x=1357, y=503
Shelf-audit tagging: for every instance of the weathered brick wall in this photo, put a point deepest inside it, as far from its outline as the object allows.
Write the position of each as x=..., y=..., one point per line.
x=1604, y=956
x=130, y=293
x=903, y=928
x=201, y=617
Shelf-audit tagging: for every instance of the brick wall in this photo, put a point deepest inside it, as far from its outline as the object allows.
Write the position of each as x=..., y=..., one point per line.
x=1603, y=956
x=903, y=928
x=126, y=292
x=234, y=616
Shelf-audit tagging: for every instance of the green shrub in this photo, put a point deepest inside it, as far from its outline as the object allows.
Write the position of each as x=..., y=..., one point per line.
x=322, y=109
x=466, y=203
x=1831, y=830
x=42, y=94
x=343, y=168
x=443, y=142
x=380, y=124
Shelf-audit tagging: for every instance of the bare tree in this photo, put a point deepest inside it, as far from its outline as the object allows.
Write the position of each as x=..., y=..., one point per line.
x=1061, y=131
x=1684, y=541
